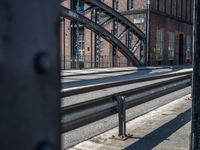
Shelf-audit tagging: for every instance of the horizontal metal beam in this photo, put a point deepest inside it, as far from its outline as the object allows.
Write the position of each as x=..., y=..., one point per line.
x=101, y=31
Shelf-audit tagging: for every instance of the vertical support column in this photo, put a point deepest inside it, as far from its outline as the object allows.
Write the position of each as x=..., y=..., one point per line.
x=121, y=108
x=195, y=135
x=122, y=116
x=64, y=42
x=96, y=53
x=30, y=75
x=147, y=42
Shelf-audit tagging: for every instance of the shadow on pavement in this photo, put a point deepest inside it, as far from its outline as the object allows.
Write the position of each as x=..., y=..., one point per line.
x=156, y=137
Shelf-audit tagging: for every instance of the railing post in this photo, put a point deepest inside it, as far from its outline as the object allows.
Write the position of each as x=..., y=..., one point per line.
x=121, y=116
x=121, y=108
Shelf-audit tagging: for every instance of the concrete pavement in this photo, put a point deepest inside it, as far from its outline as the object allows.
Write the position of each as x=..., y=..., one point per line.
x=165, y=128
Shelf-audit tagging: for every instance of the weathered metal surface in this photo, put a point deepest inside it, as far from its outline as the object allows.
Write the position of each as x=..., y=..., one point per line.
x=195, y=138
x=29, y=75
x=104, y=33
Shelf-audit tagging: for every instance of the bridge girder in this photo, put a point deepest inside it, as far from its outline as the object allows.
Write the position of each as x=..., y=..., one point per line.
x=74, y=16
x=119, y=17
x=116, y=17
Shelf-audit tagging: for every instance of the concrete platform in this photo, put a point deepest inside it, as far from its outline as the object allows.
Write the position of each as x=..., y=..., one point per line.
x=166, y=128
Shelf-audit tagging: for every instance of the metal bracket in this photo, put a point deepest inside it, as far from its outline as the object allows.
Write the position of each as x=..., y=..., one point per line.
x=121, y=105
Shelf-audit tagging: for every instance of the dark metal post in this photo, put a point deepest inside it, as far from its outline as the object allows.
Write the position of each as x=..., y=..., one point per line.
x=195, y=134
x=122, y=116
x=96, y=58
x=64, y=42
x=147, y=43
x=29, y=75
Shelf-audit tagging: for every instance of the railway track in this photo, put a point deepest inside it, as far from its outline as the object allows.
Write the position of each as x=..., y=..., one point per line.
x=77, y=115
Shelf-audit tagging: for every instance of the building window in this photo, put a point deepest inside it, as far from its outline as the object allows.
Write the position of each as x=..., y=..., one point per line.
x=171, y=46
x=80, y=6
x=188, y=48
x=80, y=49
x=116, y=4
x=130, y=4
x=159, y=45
x=101, y=43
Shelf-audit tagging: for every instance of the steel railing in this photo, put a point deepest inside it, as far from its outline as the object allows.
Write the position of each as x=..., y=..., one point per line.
x=77, y=115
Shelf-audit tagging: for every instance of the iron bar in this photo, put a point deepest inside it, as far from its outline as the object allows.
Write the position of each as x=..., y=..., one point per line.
x=106, y=22
x=123, y=33
x=135, y=46
x=148, y=34
x=195, y=133
x=89, y=9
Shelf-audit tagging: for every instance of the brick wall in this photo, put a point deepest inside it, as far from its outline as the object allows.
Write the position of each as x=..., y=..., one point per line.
x=164, y=19
x=168, y=25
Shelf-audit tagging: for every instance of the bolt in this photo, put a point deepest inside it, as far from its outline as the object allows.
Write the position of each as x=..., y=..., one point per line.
x=42, y=63
x=44, y=146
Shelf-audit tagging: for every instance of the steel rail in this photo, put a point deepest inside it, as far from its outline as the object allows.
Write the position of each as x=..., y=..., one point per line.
x=72, y=15
x=77, y=115
x=70, y=92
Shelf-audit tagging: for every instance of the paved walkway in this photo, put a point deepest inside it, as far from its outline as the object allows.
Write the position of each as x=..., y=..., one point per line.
x=166, y=128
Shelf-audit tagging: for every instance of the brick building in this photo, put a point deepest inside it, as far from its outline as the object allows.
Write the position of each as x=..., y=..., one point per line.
x=169, y=32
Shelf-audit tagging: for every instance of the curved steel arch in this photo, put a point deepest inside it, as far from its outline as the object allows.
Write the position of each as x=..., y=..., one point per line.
x=113, y=13
x=72, y=15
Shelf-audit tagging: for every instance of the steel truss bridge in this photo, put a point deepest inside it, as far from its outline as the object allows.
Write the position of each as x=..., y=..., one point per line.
x=100, y=28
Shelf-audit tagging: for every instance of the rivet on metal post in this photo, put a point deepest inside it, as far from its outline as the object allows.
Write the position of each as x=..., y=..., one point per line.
x=45, y=146
x=42, y=63
x=121, y=104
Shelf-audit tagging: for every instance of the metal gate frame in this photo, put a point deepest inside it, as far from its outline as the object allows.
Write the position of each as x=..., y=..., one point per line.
x=29, y=75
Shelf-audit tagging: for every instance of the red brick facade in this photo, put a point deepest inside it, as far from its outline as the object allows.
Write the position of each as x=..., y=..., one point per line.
x=168, y=16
